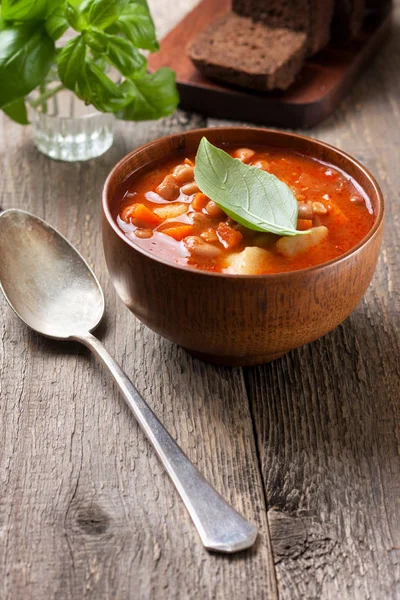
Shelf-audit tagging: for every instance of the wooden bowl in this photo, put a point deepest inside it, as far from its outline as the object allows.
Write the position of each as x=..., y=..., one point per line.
x=238, y=319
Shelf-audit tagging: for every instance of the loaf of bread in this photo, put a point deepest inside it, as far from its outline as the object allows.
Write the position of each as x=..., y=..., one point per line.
x=312, y=17
x=262, y=44
x=252, y=55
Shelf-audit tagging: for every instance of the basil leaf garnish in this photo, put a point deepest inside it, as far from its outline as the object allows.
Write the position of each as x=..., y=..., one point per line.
x=252, y=197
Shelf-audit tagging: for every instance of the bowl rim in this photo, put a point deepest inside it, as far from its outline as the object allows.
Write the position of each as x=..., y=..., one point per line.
x=278, y=133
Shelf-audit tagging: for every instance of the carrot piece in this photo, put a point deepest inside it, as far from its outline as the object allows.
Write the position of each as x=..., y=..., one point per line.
x=141, y=216
x=199, y=201
x=228, y=236
x=189, y=162
x=178, y=232
x=304, y=224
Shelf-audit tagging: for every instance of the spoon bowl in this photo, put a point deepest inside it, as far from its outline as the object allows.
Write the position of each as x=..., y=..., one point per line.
x=53, y=290
x=44, y=278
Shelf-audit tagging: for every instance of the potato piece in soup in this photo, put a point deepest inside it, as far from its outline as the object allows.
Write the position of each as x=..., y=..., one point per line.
x=171, y=211
x=292, y=246
x=251, y=261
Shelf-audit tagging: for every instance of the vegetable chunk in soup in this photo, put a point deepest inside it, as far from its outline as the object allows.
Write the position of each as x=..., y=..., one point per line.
x=162, y=210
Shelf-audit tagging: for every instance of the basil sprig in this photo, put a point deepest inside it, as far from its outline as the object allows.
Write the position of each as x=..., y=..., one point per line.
x=109, y=34
x=252, y=197
x=26, y=54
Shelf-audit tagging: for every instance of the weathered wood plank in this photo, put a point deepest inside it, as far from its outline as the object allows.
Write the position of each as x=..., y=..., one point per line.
x=327, y=415
x=87, y=511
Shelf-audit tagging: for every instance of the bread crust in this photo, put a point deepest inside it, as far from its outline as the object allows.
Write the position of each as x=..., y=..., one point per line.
x=312, y=17
x=238, y=51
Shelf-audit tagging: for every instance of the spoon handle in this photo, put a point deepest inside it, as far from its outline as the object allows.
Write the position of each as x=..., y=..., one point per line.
x=220, y=527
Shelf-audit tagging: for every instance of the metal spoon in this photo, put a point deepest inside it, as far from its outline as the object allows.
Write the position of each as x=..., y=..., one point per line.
x=53, y=290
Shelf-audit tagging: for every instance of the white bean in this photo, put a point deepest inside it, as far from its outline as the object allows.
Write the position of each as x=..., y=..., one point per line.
x=190, y=188
x=183, y=173
x=305, y=210
x=168, y=188
x=244, y=154
x=214, y=210
x=209, y=235
x=199, y=247
x=262, y=164
x=319, y=208
x=143, y=233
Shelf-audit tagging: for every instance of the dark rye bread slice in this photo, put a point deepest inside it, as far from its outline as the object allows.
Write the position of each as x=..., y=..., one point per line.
x=238, y=51
x=313, y=17
x=347, y=19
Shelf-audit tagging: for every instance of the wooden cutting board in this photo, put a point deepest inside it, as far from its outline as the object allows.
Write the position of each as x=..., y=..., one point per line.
x=322, y=84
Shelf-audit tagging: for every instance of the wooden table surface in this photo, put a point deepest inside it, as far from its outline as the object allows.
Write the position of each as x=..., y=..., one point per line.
x=306, y=447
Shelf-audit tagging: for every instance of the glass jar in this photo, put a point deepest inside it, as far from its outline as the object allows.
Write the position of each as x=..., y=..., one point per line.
x=64, y=128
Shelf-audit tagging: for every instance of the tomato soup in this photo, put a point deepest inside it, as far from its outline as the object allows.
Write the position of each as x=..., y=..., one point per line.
x=162, y=210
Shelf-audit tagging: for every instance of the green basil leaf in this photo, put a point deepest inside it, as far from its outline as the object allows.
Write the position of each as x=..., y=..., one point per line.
x=151, y=97
x=75, y=18
x=84, y=77
x=102, y=13
x=96, y=40
x=94, y=87
x=71, y=61
x=56, y=26
x=56, y=22
x=119, y=51
x=252, y=197
x=26, y=54
x=17, y=111
x=136, y=24
x=24, y=10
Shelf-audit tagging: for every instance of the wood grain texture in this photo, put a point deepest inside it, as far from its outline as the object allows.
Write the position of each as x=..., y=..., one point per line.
x=327, y=416
x=86, y=510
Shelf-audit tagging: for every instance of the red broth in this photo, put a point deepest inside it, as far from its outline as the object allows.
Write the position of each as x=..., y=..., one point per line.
x=161, y=211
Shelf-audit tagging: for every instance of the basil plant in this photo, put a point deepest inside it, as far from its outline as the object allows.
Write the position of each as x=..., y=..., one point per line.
x=106, y=35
